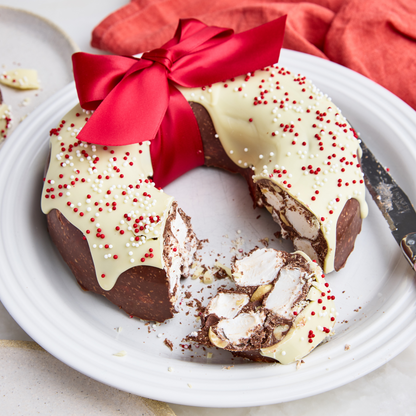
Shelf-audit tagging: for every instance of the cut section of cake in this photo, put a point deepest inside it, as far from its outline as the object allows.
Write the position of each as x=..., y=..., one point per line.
x=280, y=310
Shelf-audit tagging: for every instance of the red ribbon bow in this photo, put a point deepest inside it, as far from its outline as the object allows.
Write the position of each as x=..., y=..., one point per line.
x=136, y=99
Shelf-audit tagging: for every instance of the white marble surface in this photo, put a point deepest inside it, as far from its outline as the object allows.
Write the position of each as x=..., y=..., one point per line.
x=33, y=382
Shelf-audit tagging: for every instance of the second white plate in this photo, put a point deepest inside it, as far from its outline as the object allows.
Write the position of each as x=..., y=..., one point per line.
x=29, y=41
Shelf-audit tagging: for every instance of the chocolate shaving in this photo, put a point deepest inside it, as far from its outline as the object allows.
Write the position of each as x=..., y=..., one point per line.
x=168, y=343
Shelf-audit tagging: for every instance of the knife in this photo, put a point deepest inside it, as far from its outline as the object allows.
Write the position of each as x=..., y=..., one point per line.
x=393, y=203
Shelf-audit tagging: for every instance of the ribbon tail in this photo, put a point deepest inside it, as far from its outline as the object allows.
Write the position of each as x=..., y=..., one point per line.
x=177, y=147
x=220, y=59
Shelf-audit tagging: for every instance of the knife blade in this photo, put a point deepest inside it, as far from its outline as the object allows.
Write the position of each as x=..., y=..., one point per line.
x=393, y=203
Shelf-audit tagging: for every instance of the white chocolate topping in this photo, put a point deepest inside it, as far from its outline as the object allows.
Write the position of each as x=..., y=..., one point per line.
x=22, y=79
x=287, y=131
x=105, y=193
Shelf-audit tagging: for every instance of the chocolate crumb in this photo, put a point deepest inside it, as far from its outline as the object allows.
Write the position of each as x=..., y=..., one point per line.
x=168, y=343
x=221, y=274
x=265, y=242
x=199, y=306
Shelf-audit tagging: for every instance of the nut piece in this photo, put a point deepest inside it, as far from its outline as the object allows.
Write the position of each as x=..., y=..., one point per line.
x=279, y=330
x=225, y=268
x=120, y=354
x=283, y=218
x=198, y=272
x=240, y=301
x=208, y=278
x=260, y=292
x=216, y=340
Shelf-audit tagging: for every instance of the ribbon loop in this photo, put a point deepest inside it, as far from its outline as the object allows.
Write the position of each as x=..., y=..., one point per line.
x=137, y=101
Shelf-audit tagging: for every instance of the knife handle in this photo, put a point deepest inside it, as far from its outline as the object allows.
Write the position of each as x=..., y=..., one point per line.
x=408, y=246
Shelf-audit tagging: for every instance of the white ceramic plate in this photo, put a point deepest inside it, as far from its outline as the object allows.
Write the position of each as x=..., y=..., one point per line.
x=32, y=42
x=376, y=292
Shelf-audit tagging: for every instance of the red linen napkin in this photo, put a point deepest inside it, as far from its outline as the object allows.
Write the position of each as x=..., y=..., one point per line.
x=376, y=38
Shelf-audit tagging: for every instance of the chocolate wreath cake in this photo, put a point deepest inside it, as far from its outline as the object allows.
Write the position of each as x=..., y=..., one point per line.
x=124, y=238
x=281, y=308
x=120, y=234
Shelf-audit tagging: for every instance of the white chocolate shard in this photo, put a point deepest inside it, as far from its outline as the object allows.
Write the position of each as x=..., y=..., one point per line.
x=22, y=79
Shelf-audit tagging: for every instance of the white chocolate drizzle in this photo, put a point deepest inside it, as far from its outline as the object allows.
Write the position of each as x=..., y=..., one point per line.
x=282, y=127
x=105, y=193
